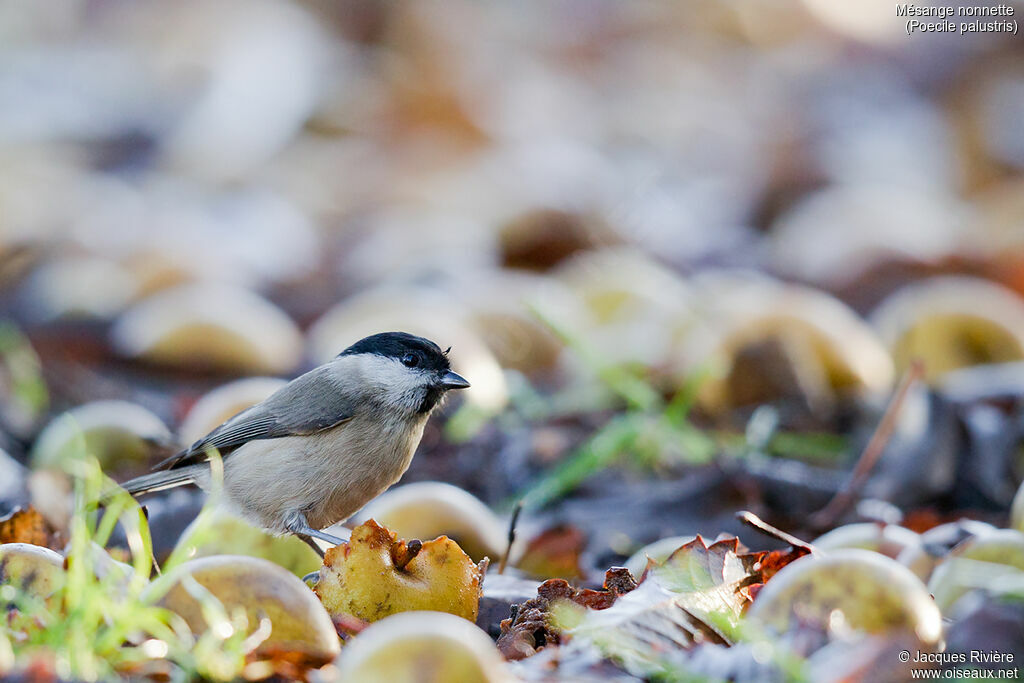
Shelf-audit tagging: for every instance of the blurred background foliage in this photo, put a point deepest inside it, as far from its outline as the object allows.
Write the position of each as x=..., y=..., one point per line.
x=636, y=223
x=684, y=251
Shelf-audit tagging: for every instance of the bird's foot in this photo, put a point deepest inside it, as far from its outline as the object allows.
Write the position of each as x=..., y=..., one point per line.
x=298, y=525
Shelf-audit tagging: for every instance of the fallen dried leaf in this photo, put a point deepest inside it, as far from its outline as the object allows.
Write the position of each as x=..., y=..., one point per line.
x=696, y=596
x=525, y=632
x=775, y=560
x=643, y=626
x=711, y=579
x=555, y=552
x=26, y=525
x=529, y=628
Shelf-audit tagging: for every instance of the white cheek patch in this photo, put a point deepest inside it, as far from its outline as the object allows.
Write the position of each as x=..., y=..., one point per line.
x=396, y=385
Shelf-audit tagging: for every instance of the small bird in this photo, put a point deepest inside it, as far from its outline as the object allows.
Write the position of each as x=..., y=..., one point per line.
x=321, y=447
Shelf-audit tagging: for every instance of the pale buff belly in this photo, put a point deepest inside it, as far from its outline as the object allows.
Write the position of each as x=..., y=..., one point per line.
x=328, y=476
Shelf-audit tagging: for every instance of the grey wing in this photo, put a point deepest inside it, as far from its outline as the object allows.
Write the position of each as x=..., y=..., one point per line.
x=308, y=404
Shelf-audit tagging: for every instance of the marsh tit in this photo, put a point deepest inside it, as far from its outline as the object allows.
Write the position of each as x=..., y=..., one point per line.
x=325, y=444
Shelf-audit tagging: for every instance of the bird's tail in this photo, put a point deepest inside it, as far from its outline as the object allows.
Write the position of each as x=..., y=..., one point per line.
x=158, y=481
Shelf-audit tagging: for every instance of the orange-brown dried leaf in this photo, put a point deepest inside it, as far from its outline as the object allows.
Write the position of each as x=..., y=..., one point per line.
x=767, y=564
x=26, y=525
x=775, y=560
x=555, y=552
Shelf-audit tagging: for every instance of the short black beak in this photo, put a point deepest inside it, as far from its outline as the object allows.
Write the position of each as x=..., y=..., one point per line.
x=453, y=380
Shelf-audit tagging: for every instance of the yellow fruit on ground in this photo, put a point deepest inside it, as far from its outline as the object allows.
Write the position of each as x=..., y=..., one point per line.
x=31, y=568
x=375, y=575
x=866, y=590
x=228, y=535
x=262, y=589
x=422, y=646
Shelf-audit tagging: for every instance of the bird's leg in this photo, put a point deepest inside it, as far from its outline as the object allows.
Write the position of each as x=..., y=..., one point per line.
x=333, y=540
x=297, y=524
x=311, y=543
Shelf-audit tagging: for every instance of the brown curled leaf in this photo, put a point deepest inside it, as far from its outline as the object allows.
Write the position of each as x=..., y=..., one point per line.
x=525, y=632
x=528, y=629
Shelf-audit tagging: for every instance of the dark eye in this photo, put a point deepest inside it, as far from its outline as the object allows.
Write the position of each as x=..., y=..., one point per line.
x=410, y=360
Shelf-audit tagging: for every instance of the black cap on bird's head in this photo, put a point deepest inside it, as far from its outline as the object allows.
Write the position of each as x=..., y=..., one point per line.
x=412, y=352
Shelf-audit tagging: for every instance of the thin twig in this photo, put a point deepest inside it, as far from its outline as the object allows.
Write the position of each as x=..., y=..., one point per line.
x=841, y=502
x=511, y=536
x=765, y=528
x=152, y=555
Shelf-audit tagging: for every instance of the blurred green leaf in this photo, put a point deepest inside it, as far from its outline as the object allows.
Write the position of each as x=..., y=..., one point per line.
x=813, y=445
x=598, y=452
x=637, y=393
x=22, y=370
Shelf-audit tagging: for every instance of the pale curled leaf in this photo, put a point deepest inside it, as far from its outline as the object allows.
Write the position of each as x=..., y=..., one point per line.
x=643, y=626
x=696, y=566
x=696, y=596
x=710, y=579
